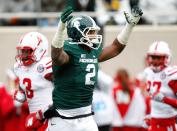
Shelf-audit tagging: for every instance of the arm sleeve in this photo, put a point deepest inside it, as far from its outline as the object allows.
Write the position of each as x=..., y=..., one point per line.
x=170, y=101
x=173, y=85
x=47, y=73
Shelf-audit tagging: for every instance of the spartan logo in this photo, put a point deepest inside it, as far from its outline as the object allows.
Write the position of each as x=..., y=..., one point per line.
x=75, y=22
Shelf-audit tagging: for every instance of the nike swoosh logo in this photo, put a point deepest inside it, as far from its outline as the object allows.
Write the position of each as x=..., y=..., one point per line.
x=52, y=124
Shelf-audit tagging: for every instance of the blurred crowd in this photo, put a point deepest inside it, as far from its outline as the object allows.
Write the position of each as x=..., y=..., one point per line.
x=109, y=12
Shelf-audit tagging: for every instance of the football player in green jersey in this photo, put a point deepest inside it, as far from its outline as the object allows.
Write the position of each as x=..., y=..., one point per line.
x=75, y=66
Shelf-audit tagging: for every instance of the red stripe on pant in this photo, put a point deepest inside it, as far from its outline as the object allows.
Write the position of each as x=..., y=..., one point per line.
x=162, y=124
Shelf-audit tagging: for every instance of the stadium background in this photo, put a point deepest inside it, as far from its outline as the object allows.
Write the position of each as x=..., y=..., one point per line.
x=132, y=58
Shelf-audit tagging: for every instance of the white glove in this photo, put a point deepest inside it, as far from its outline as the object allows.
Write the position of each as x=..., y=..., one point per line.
x=20, y=96
x=134, y=17
x=58, y=39
x=17, y=103
x=158, y=97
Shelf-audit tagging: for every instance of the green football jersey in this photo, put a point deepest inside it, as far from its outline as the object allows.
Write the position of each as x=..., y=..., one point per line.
x=74, y=82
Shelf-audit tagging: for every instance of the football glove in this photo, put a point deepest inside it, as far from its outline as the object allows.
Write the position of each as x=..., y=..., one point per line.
x=158, y=97
x=66, y=14
x=19, y=96
x=46, y=113
x=134, y=17
x=58, y=39
x=34, y=120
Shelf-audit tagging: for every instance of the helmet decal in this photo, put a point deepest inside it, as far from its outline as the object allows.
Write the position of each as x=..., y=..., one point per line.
x=39, y=40
x=75, y=22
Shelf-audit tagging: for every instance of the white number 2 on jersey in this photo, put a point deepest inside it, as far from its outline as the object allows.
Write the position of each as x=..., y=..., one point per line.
x=91, y=69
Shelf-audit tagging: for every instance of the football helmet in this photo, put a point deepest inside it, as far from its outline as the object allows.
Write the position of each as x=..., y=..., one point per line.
x=158, y=56
x=31, y=48
x=83, y=30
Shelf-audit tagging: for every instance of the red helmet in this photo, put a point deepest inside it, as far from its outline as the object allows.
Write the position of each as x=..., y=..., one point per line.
x=158, y=56
x=31, y=48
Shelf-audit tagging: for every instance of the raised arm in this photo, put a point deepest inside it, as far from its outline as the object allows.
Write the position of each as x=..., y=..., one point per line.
x=121, y=40
x=59, y=56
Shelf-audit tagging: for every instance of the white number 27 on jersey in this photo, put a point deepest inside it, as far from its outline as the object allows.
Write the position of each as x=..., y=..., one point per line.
x=91, y=69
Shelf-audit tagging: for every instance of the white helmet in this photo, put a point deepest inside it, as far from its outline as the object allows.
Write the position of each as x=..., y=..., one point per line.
x=158, y=55
x=31, y=48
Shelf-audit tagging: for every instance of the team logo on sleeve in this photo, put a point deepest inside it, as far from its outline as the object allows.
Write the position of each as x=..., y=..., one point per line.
x=40, y=68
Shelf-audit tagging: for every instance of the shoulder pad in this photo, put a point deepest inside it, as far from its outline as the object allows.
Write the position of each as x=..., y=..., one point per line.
x=171, y=72
x=44, y=64
x=45, y=61
x=147, y=70
x=70, y=46
x=44, y=67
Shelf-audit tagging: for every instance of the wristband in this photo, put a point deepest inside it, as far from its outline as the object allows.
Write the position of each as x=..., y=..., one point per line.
x=123, y=36
x=58, y=40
